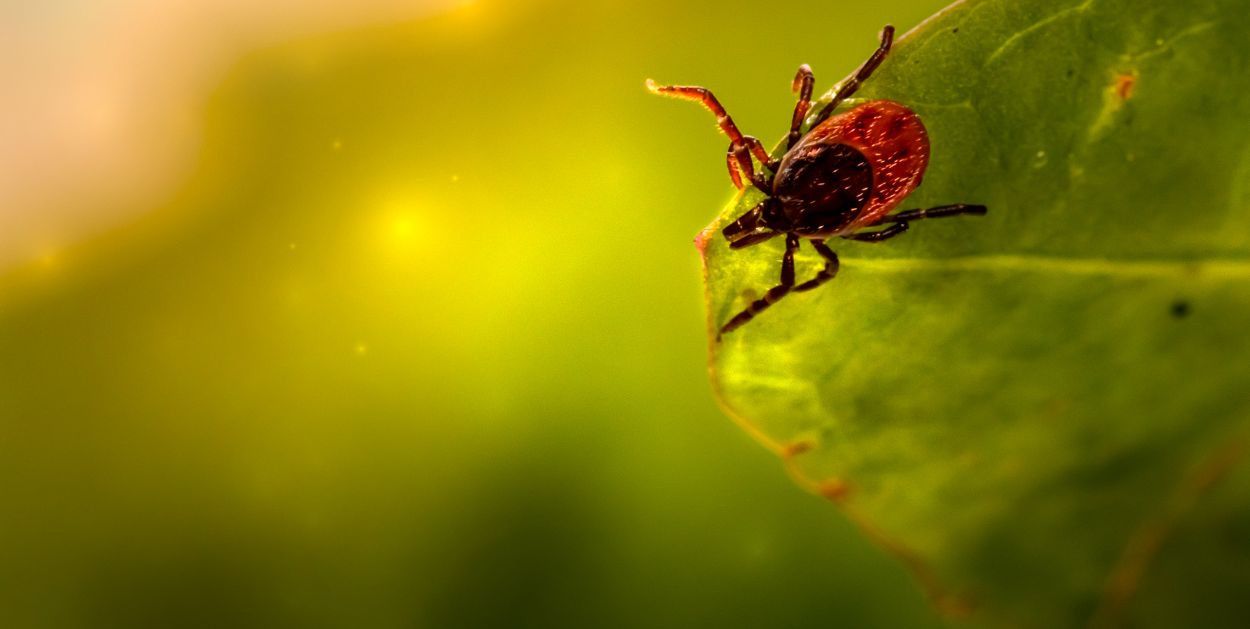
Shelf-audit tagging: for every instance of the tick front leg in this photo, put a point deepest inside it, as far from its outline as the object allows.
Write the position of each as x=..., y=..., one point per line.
x=739, y=162
x=726, y=123
x=852, y=84
x=773, y=295
x=731, y=162
x=757, y=149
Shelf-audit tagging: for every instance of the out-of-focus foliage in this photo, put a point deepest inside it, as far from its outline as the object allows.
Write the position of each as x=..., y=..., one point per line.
x=1043, y=410
x=420, y=345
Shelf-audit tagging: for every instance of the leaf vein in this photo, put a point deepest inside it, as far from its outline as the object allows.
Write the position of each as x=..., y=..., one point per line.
x=1221, y=268
x=1017, y=36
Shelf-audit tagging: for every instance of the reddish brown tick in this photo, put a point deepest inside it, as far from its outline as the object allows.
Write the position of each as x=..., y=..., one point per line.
x=846, y=173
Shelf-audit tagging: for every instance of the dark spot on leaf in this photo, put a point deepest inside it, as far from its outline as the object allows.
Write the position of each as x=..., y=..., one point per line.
x=1180, y=309
x=955, y=30
x=1071, y=72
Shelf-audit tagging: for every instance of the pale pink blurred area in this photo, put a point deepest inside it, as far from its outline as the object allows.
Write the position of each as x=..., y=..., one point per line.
x=102, y=100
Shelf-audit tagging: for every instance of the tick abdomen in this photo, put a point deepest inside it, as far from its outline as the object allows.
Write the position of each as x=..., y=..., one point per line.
x=894, y=142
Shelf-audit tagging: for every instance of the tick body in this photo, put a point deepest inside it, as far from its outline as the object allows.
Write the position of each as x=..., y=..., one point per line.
x=851, y=169
x=841, y=177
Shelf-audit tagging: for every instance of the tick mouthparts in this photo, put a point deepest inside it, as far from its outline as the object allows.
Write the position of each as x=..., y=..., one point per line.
x=746, y=225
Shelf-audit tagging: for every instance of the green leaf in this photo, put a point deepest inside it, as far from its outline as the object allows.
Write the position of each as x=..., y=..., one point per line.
x=1042, y=410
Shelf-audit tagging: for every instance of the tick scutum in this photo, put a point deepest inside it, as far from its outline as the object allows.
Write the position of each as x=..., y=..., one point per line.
x=822, y=187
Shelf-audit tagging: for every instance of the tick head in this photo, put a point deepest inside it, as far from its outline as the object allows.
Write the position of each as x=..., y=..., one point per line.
x=750, y=228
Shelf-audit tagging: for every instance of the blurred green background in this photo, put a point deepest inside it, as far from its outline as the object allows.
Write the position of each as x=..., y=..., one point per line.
x=420, y=343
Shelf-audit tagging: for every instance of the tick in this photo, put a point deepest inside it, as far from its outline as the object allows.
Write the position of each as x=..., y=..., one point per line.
x=844, y=175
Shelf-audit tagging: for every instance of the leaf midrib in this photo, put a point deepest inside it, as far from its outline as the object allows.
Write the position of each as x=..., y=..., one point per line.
x=1211, y=267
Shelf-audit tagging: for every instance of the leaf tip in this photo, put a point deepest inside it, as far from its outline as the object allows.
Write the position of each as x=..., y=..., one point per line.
x=703, y=239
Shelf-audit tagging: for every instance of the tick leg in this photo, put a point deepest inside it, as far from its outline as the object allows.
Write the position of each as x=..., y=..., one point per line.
x=802, y=86
x=941, y=211
x=849, y=86
x=773, y=295
x=705, y=97
x=731, y=162
x=901, y=220
x=877, y=236
x=825, y=274
x=742, y=160
x=761, y=153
